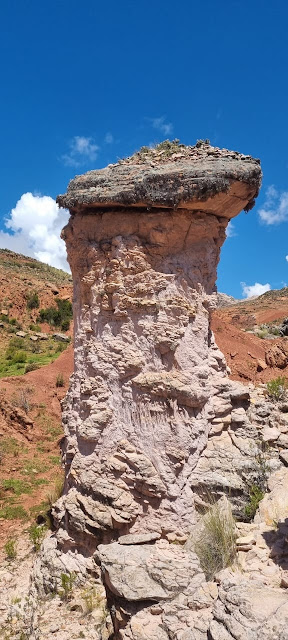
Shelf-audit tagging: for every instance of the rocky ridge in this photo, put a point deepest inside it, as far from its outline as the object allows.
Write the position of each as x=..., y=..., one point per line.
x=152, y=423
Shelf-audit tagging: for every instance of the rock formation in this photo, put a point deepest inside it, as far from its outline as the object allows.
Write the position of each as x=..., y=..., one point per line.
x=150, y=386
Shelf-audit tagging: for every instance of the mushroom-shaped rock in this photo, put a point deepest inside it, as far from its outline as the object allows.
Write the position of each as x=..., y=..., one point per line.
x=143, y=243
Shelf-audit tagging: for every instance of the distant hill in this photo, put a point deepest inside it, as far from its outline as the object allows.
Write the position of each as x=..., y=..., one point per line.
x=249, y=330
x=34, y=299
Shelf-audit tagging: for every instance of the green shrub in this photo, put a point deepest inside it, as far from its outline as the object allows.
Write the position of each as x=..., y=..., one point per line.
x=60, y=380
x=55, y=316
x=16, y=343
x=216, y=542
x=65, y=326
x=10, y=549
x=60, y=347
x=19, y=356
x=67, y=582
x=14, y=322
x=50, y=315
x=65, y=308
x=33, y=301
x=262, y=333
x=255, y=496
x=277, y=388
x=36, y=535
x=35, y=327
x=11, y=329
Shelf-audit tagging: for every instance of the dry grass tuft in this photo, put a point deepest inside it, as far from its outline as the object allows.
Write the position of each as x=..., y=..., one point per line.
x=215, y=543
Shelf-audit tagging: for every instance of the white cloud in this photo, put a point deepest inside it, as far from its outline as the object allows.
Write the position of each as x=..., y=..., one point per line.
x=230, y=230
x=286, y=258
x=275, y=208
x=254, y=289
x=81, y=151
x=109, y=138
x=162, y=125
x=35, y=224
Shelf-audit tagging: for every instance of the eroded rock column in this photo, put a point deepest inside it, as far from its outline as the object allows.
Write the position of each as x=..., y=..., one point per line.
x=138, y=410
x=149, y=385
x=143, y=244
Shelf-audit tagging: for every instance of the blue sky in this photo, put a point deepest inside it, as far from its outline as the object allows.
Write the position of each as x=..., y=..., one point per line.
x=85, y=83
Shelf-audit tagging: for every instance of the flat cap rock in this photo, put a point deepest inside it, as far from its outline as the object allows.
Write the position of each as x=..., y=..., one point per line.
x=172, y=176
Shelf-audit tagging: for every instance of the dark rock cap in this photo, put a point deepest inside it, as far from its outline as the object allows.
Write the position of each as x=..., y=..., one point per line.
x=170, y=176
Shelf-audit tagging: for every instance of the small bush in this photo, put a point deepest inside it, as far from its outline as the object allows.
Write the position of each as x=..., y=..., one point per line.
x=35, y=327
x=19, y=357
x=16, y=343
x=60, y=347
x=255, y=496
x=60, y=380
x=33, y=301
x=93, y=600
x=216, y=544
x=55, y=316
x=21, y=399
x=36, y=535
x=14, y=322
x=10, y=549
x=32, y=366
x=67, y=582
x=262, y=333
x=277, y=388
x=65, y=326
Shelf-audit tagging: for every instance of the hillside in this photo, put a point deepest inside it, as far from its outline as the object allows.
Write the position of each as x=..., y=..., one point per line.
x=248, y=333
x=30, y=411
x=33, y=299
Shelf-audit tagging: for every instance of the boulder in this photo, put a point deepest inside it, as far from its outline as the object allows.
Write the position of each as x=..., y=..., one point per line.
x=61, y=337
x=149, y=572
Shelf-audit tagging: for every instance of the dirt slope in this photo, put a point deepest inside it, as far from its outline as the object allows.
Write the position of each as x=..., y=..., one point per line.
x=30, y=411
x=232, y=326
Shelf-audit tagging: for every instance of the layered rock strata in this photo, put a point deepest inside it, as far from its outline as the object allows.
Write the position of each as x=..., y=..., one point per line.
x=150, y=384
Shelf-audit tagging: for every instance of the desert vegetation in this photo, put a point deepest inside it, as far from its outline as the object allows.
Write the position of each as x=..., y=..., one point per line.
x=215, y=541
x=58, y=316
x=277, y=388
x=21, y=355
